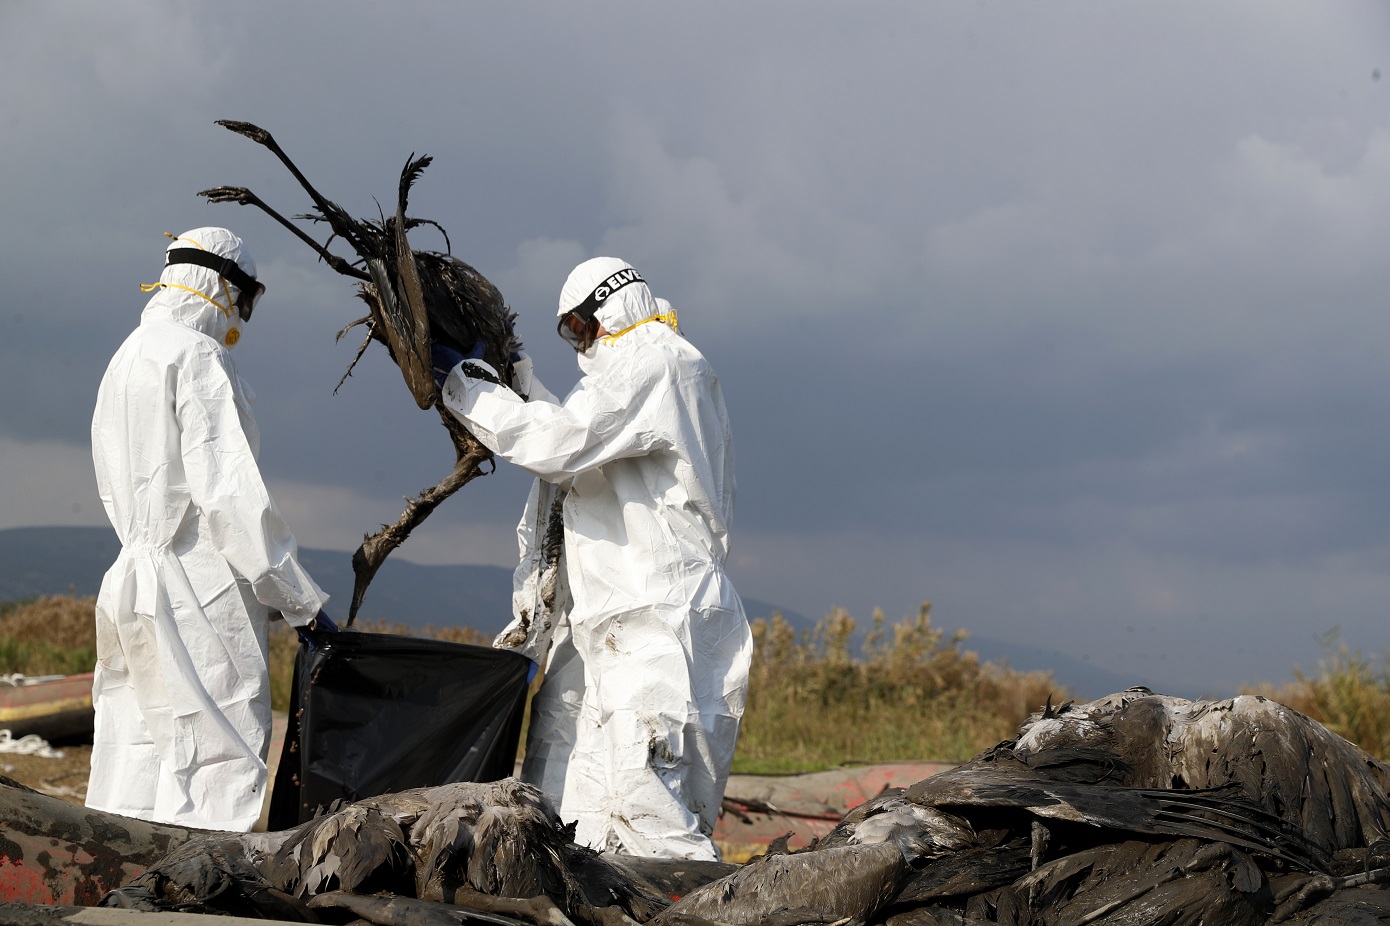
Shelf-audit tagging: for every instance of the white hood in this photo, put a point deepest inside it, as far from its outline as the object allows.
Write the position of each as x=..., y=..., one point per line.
x=196, y=296
x=626, y=306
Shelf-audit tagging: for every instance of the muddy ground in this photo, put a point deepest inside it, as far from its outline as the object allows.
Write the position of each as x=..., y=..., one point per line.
x=64, y=777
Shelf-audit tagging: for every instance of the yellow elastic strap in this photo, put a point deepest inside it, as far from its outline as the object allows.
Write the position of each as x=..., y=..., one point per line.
x=151, y=287
x=189, y=240
x=669, y=318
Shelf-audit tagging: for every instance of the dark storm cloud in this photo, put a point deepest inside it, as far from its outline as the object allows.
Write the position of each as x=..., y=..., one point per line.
x=1067, y=318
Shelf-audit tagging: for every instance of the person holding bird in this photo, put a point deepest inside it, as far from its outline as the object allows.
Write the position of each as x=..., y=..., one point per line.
x=622, y=592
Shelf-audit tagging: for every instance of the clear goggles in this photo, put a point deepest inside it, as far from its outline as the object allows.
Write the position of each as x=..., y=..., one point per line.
x=249, y=289
x=577, y=331
x=578, y=327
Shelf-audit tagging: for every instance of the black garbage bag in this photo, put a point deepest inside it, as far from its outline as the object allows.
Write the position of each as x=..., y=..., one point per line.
x=374, y=713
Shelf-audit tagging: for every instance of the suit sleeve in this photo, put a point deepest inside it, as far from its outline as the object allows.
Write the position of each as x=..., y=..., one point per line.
x=225, y=483
x=604, y=419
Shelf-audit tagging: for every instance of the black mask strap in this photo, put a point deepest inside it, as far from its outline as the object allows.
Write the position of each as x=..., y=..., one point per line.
x=586, y=309
x=222, y=266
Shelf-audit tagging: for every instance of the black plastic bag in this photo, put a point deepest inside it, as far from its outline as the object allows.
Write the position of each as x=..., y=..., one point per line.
x=374, y=713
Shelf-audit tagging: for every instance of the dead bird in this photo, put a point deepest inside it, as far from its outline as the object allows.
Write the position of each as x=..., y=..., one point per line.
x=465, y=844
x=1135, y=808
x=850, y=880
x=1330, y=790
x=415, y=298
x=1185, y=882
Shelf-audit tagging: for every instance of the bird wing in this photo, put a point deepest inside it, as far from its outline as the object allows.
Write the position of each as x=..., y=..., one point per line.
x=413, y=352
x=1331, y=790
x=1219, y=814
x=344, y=848
x=824, y=886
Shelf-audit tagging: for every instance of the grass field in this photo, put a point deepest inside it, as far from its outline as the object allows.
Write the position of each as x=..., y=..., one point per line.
x=905, y=690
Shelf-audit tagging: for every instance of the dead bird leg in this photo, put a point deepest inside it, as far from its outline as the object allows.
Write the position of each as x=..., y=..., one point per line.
x=360, y=351
x=244, y=197
x=1041, y=836
x=393, y=910
x=540, y=910
x=1378, y=876
x=470, y=455
x=1305, y=892
x=1302, y=895
x=338, y=220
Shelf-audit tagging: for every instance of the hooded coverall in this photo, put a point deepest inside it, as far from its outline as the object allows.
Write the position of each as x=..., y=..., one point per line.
x=182, y=688
x=635, y=724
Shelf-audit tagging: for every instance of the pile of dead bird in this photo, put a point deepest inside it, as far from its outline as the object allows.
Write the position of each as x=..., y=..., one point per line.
x=1137, y=808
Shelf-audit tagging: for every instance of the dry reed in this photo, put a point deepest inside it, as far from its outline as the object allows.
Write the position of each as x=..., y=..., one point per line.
x=52, y=635
x=1349, y=694
x=911, y=693
x=816, y=699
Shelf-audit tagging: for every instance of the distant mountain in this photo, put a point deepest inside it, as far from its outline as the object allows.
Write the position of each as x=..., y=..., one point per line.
x=54, y=560
x=61, y=560
x=1082, y=679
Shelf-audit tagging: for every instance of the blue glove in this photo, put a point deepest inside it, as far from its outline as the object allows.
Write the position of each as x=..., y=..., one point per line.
x=323, y=624
x=444, y=358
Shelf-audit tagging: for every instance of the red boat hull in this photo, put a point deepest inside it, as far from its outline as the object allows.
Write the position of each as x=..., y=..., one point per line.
x=54, y=709
x=759, y=808
x=53, y=852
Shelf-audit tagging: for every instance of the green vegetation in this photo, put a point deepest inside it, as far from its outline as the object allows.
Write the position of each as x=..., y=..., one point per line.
x=48, y=636
x=1349, y=695
x=830, y=696
x=912, y=692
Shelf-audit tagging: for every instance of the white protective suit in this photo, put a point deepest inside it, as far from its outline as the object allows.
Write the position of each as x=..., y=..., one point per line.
x=635, y=724
x=182, y=688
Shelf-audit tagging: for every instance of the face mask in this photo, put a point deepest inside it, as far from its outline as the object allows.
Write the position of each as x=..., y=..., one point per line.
x=588, y=361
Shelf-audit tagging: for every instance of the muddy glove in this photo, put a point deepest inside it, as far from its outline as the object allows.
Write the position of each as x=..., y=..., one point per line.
x=479, y=370
x=311, y=635
x=444, y=358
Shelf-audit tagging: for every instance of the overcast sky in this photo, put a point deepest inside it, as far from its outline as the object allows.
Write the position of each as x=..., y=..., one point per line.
x=1068, y=317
